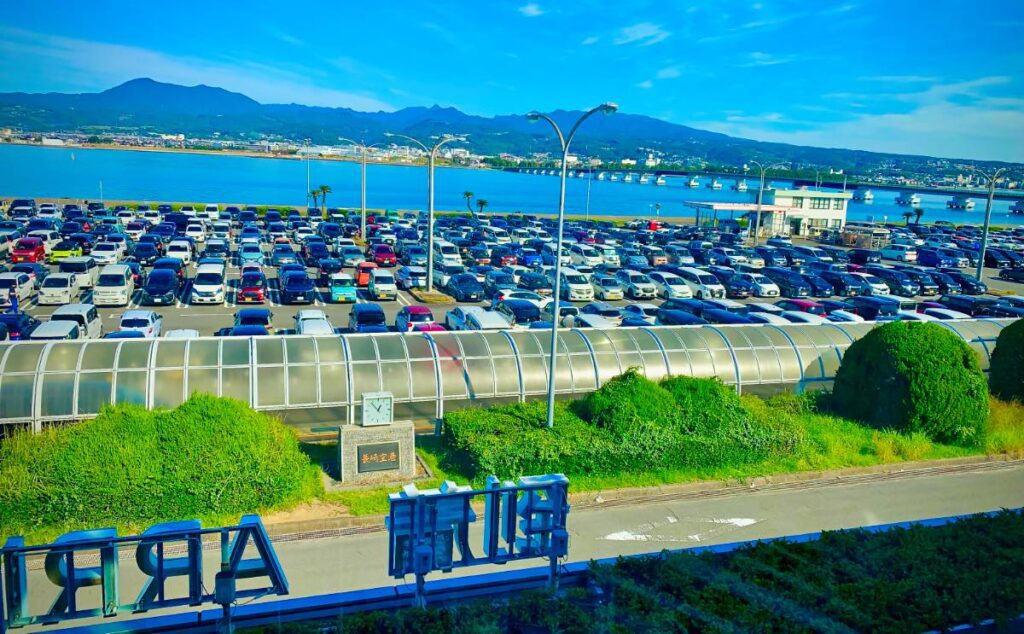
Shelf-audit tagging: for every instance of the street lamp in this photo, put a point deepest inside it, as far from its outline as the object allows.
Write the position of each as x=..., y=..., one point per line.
x=991, y=178
x=760, y=194
x=431, y=156
x=363, y=147
x=605, y=108
x=306, y=142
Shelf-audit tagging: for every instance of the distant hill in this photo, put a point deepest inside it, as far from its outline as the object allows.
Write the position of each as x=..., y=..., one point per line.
x=145, y=105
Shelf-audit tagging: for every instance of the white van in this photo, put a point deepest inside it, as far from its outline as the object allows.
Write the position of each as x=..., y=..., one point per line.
x=475, y=318
x=447, y=252
x=57, y=289
x=609, y=254
x=85, y=269
x=575, y=287
x=55, y=331
x=84, y=315
x=114, y=287
x=585, y=254
x=702, y=284
x=900, y=252
x=209, y=286
x=497, y=234
x=382, y=285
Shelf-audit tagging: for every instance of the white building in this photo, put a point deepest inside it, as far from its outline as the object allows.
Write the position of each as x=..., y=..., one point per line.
x=799, y=212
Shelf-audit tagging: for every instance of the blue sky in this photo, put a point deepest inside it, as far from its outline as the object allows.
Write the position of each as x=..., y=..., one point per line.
x=942, y=77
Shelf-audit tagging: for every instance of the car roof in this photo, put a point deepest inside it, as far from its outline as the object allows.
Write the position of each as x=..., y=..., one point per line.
x=137, y=314
x=253, y=312
x=54, y=328
x=417, y=310
x=311, y=313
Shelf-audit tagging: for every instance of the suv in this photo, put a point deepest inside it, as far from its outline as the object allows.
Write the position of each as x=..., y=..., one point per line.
x=255, y=317
x=209, y=286
x=790, y=283
x=367, y=318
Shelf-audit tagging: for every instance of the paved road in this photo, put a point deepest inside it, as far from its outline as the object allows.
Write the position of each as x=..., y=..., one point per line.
x=317, y=566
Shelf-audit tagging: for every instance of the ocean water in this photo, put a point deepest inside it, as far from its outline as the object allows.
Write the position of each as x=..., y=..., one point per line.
x=46, y=172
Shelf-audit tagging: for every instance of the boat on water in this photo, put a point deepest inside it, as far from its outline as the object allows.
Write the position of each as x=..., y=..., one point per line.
x=693, y=182
x=908, y=199
x=601, y=176
x=1017, y=207
x=964, y=203
x=614, y=177
x=714, y=184
x=660, y=180
x=644, y=179
x=863, y=195
x=741, y=185
x=628, y=178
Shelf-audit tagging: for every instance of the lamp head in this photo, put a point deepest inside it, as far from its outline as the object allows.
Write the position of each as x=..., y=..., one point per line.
x=533, y=116
x=609, y=107
x=745, y=167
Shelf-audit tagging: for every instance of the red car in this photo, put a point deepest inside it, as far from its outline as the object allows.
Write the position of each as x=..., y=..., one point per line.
x=801, y=306
x=28, y=250
x=252, y=288
x=384, y=255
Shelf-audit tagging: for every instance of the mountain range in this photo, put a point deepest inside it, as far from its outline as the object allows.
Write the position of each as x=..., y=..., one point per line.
x=144, y=105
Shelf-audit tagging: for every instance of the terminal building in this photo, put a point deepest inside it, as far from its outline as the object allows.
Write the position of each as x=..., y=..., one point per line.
x=795, y=212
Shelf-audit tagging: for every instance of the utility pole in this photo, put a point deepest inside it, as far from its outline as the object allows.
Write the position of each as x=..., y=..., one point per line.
x=363, y=148
x=991, y=178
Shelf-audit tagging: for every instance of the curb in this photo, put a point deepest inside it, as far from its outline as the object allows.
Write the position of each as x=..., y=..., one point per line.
x=335, y=526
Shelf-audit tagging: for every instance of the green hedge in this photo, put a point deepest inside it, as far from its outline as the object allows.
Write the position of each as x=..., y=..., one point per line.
x=630, y=425
x=131, y=467
x=1006, y=368
x=903, y=580
x=914, y=377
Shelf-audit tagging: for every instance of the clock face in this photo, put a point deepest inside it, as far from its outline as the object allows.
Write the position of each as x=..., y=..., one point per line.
x=378, y=408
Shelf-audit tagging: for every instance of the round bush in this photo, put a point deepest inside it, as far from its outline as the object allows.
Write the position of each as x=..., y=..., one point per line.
x=626, y=401
x=1006, y=369
x=914, y=377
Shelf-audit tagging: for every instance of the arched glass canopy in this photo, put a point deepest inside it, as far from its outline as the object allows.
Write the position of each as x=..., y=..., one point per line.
x=311, y=380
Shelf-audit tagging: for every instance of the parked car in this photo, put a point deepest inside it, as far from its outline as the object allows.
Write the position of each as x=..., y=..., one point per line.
x=366, y=318
x=146, y=322
x=297, y=288
x=409, y=317
x=255, y=317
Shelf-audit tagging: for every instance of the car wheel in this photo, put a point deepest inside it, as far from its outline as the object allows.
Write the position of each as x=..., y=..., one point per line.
x=700, y=294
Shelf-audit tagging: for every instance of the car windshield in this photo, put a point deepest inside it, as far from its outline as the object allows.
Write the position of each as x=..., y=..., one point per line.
x=503, y=279
x=209, y=279
x=56, y=282
x=110, y=280
x=707, y=279
x=252, y=321
x=371, y=318
x=579, y=279
x=420, y=317
x=135, y=323
x=759, y=279
x=384, y=279
x=674, y=281
x=73, y=267
x=105, y=246
x=871, y=279
x=650, y=311
x=607, y=283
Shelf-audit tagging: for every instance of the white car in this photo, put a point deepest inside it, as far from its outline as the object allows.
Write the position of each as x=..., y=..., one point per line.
x=844, y=316
x=145, y=321
x=312, y=322
x=196, y=231
x=182, y=333
x=530, y=296
x=878, y=287
x=21, y=285
x=763, y=286
x=637, y=285
x=900, y=253
x=670, y=286
x=57, y=289
x=606, y=288
x=799, y=317
x=177, y=249
x=209, y=285
x=768, y=318
x=107, y=252
x=647, y=312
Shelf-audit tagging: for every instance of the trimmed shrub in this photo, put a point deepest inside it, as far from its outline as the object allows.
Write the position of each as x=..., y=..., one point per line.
x=627, y=401
x=914, y=377
x=131, y=467
x=1006, y=369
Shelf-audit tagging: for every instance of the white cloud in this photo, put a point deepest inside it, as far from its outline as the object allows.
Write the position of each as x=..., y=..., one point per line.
x=646, y=84
x=900, y=79
x=758, y=58
x=593, y=39
x=644, y=33
x=531, y=10
x=60, y=63
x=768, y=117
x=670, y=72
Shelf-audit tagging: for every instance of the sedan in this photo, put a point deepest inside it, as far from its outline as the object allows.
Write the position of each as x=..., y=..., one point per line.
x=464, y=287
x=647, y=312
x=763, y=287
x=143, y=321
x=670, y=286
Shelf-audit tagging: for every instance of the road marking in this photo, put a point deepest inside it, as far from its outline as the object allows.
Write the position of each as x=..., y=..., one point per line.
x=650, y=531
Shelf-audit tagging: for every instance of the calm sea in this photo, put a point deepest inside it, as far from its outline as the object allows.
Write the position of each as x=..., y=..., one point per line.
x=34, y=171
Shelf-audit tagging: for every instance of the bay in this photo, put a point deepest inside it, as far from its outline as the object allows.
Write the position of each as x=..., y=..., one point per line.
x=50, y=172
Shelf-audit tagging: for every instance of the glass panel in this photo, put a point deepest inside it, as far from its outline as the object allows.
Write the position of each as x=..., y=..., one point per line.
x=93, y=391
x=203, y=353
x=58, y=394
x=453, y=379
x=302, y=385
x=812, y=365
x=167, y=388
x=526, y=343
x=205, y=380
x=481, y=378
x=170, y=354
x=424, y=379
x=563, y=375
x=63, y=356
x=23, y=358
x=473, y=345
x=749, y=370
x=831, y=362
x=604, y=342
x=790, y=365
x=725, y=368
x=333, y=383
x=134, y=354
x=395, y=379
x=235, y=383
x=535, y=374
x=702, y=364
x=582, y=370
x=679, y=364
x=235, y=351
x=631, y=360
x=573, y=341
x=771, y=371
x=607, y=367
x=645, y=340
x=447, y=346
x=390, y=349
x=654, y=365
x=269, y=352
x=269, y=386
x=361, y=349
x=506, y=375
x=418, y=347
x=364, y=379
x=330, y=349
x=300, y=350
x=499, y=344
x=130, y=387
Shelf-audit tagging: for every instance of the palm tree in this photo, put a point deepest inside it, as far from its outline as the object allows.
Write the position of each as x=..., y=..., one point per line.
x=917, y=215
x=315, y=194
x=480, y=204
x=907, y=215
x=324, y=190
x=469, y=200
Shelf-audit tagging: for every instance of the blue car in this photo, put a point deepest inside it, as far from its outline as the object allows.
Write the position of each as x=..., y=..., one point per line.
x=250, y=254
x=367, y=318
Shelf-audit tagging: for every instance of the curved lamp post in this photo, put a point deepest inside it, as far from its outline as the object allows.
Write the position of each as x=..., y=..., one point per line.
x=760, y=195
x=605, y=108
x=363, y=147
x=431, y=157
x=991, y=178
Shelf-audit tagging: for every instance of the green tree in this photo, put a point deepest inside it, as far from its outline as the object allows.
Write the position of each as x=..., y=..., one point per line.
x=316, y=195
x=917, y=215
x=469, y=200
x=1006, y=369
x=907, y=215
x=480, y=204
x=324, y=190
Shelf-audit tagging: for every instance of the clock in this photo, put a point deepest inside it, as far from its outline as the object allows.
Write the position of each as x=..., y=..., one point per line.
x=378, y=408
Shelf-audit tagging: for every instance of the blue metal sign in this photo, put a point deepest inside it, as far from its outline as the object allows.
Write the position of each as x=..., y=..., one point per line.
x=429, y=530
x=164, y=551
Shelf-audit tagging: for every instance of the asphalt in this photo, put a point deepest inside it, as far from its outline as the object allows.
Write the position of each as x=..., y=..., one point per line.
x=355, y=561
